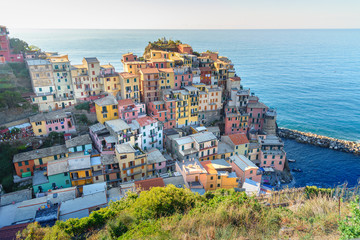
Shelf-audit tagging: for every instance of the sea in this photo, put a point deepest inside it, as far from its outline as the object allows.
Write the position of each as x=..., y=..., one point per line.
x=311, y=77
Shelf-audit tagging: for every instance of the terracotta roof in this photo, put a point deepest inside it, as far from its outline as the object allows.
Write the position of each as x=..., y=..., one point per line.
x=145, y=185
x=144, y=121
x=208, y=167
x=127, y=75
x=125, y=102
x=149, y=70
x=235, y=79
x=9, y=232
x=238, y=138
x=168, y=70
x=128, y=54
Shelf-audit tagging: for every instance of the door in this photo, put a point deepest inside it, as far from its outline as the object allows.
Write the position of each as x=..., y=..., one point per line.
x=196, y=178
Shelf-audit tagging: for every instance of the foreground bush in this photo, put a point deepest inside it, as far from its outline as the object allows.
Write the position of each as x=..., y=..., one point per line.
x=173, y=213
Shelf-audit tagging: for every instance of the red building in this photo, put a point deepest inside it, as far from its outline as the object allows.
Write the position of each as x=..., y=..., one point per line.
x=6, y=54
x=185, y=48
x=163, y=111
x=205, y=75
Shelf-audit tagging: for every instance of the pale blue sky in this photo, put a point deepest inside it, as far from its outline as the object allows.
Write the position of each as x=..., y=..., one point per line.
x=182, y=14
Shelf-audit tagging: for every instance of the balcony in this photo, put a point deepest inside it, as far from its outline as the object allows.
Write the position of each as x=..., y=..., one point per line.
x=135, y=166
x=78, y=179
x=134, y=173
x=113, y=170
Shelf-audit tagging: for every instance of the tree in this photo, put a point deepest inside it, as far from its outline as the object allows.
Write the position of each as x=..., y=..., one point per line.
x=34, y=48
x=18, y=45
x=10, y=99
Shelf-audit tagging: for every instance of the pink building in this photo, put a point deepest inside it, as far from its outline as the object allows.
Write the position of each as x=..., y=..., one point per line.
x=60, y=123
x=256, y=111
x=6, y=54
x=106, y=70
x=185, y=48
x=158, y=63
x=236, y=121
x=156, y=162
x=163, y=111
x=183, y=77
x=129, y=57
x=129, y=111
x=104, y=143
x=272, y=152
x=245, y=169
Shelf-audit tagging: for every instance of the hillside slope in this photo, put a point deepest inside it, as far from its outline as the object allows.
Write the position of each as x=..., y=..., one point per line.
x=173, y=213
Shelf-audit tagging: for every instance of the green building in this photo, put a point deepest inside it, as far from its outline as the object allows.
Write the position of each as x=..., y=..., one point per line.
x=56, y=176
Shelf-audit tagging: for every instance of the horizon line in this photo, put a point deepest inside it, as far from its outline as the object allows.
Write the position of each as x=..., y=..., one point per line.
x=186, y=28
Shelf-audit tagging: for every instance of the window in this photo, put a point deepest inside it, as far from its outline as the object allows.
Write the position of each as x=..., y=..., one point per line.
x=21, y=170
x=280, y=162
x=219, y=177
x=272, y=162
x=26, y=162
x=218, y=185
x=65, y=174
x=28, y=169
x=211, y=178
x=264, y=162
x=19, y=164
x=265, y=156
x=251, y=171
x=67, y=182
x=40, y=161
x=211, y=185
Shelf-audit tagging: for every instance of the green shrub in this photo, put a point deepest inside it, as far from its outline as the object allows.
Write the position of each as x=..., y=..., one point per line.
x=350, y=226
x=313, y=191
x=163, y=202
x=83, y=106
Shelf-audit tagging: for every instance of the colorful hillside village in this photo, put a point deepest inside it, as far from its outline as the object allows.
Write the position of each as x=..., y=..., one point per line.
x=174, y=116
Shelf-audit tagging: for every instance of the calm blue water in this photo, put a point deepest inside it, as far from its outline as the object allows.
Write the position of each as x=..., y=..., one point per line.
x=312, y=78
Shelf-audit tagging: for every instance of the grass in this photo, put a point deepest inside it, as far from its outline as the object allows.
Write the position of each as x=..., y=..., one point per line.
x=172, y=213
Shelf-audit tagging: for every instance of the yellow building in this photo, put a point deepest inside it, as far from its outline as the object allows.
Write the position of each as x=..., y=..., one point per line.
x=219, y=175
x=224, y=151
x=80, y=169
x=132, y=162
x=187, y=106
x=134, y=66
x=39, y=127
x=111, y=84
x=167, y=78
x=239, y=142
x=129, y=86
x=106, y=109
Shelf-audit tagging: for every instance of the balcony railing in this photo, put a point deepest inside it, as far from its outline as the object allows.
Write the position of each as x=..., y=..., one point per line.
x=113, y=170
x=134, y=173
x=135, y=166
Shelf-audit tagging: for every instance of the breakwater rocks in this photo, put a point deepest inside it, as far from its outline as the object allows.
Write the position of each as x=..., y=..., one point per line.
x=321, y=141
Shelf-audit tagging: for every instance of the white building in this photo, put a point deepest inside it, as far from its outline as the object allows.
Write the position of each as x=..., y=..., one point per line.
x=151, y=132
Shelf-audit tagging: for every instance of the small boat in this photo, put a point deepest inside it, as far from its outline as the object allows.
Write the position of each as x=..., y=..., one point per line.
x=297, y=170
x=291, y=160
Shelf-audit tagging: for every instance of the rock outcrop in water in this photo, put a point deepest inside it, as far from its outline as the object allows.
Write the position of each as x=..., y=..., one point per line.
x=321, y=141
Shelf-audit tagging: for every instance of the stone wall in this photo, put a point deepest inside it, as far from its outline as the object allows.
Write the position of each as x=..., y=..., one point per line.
x=321, y=141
